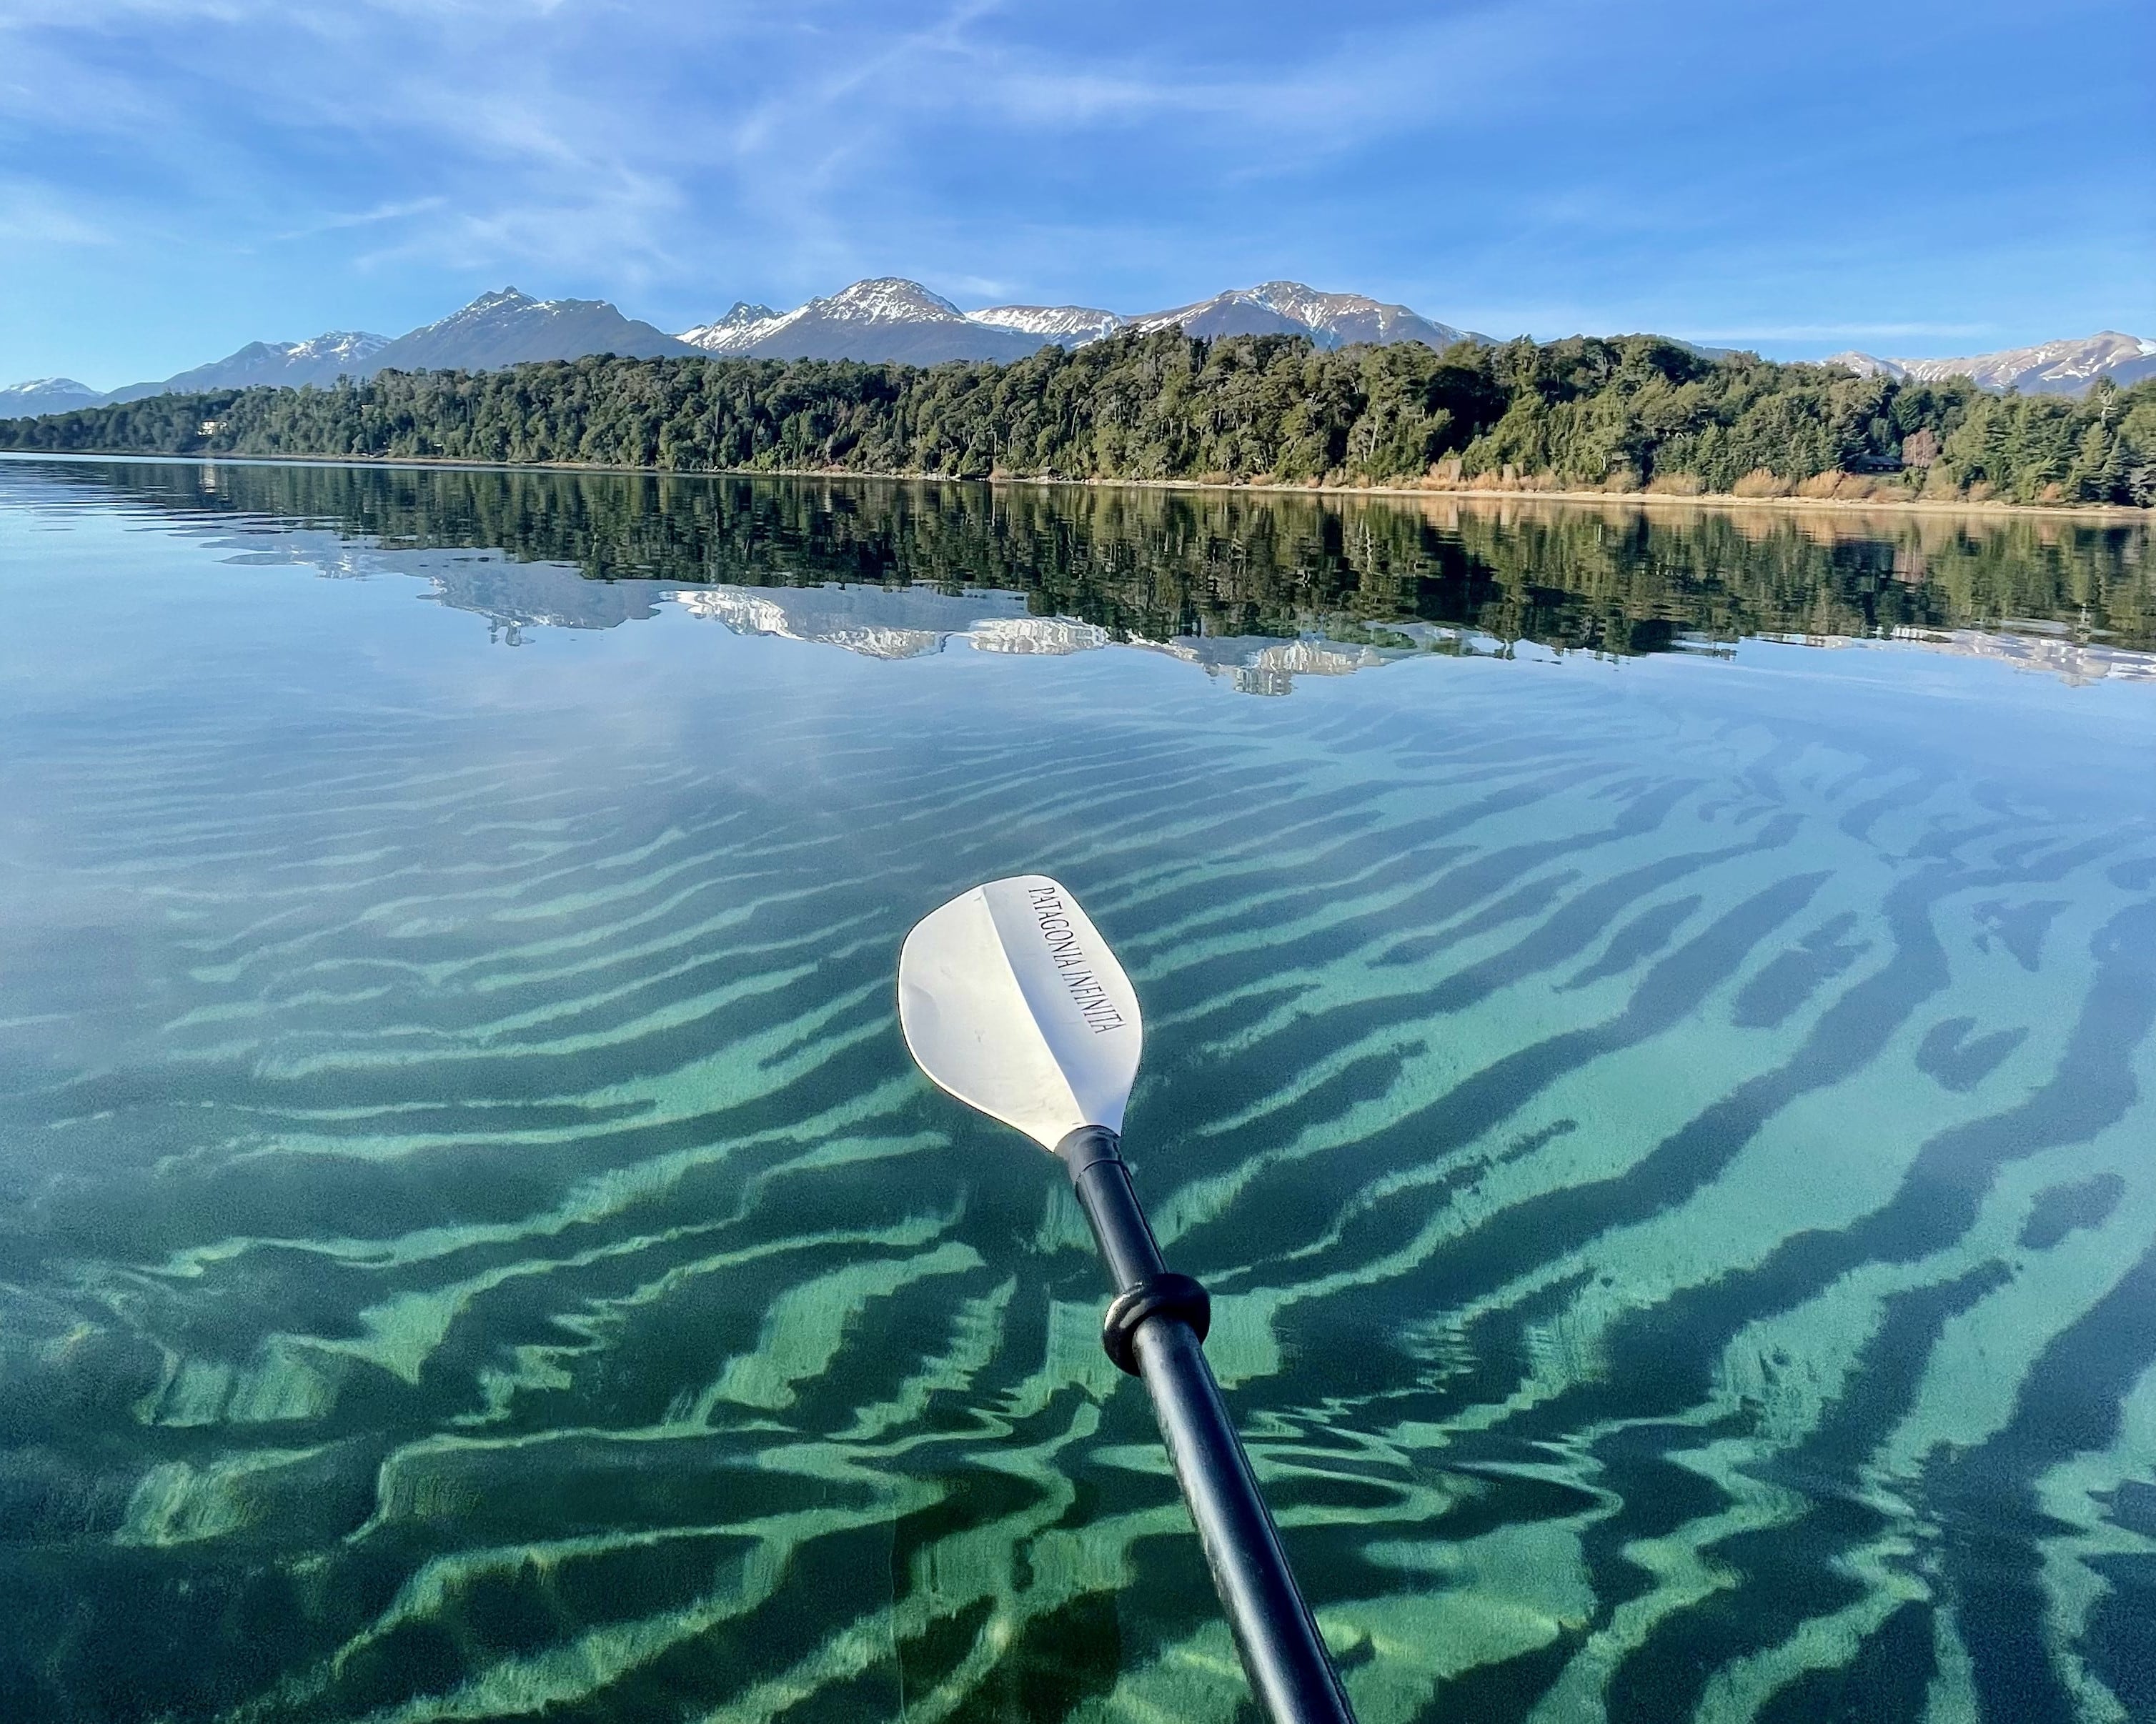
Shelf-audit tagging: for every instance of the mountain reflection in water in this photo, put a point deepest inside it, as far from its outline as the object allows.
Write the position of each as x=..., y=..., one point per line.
x=909, y=622
x=1264, y=585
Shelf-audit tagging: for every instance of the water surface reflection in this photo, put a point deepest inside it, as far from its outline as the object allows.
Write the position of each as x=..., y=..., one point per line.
x=1668, y=1139
x=1162, y=565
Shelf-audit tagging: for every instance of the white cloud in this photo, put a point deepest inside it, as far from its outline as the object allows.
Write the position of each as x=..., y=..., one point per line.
x=367, y=218
x=1508, y=154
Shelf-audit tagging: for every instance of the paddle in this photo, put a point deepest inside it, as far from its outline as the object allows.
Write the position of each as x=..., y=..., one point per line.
x=1010, y=1000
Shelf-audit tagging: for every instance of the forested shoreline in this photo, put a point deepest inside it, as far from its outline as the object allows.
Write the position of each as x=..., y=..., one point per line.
x=1633, y=415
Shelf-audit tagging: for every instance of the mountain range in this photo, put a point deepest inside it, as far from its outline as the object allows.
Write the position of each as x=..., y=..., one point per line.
x=892, y=320
x=2050, y=368
x=496, y=329
x=889, y=319
x=885, y=321
x=511, y=328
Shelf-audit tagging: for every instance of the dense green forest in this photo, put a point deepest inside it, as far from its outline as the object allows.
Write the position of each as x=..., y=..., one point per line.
x=1610, y=578
x=1622, y=415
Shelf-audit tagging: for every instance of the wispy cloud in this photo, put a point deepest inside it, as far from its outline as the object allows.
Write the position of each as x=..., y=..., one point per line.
x=366, y=217
x=32, y=215
x=1544, y=164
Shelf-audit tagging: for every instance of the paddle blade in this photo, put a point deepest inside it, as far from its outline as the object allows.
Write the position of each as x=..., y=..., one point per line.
x=1011, y=1000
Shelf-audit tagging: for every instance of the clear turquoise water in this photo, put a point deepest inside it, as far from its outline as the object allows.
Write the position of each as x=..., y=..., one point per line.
x=1669, y=1136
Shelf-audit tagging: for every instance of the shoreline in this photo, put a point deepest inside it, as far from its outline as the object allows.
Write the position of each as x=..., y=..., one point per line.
x=1989, y=507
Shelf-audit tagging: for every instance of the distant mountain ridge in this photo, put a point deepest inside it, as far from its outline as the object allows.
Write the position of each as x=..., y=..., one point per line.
x=506, y=327
x=890, y=320
x=512, y=328
x=48, y=395
x=886, y=319
x=321, y=361
x=2067, y=367
x=1331, y=320
x=731, y=330
x=1059, y=324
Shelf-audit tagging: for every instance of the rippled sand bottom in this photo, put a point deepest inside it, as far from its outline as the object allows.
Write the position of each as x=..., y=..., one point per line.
x=1669, y=1145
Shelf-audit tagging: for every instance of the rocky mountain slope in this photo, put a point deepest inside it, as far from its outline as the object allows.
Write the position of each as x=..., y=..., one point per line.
x=1066, y=325
x=889, y=319
x=886, y=319
x=321, y=361
x=739, y=328
x=2067, y=367
x=510, y=328
x=1331, y=320
x=494, y=330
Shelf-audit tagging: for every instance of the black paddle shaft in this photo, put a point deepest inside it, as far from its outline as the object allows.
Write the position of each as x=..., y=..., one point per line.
x=1155, y=1328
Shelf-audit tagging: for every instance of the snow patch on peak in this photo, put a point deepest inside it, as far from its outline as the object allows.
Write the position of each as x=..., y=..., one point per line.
x=2060, y=367
x=348, y=344
x=1866, y=365
x=740, y=329
x=1075, y=324
x=511, y=302
x=1331, y=320
x=882, y=299
x=495, y=301
x=48, y=395
x=887, y=298
x=1297, y=300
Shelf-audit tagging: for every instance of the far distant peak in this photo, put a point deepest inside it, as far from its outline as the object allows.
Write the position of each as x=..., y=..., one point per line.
x=899, y=284
x=880, y=296
x=505, y=296
x=2067, y=366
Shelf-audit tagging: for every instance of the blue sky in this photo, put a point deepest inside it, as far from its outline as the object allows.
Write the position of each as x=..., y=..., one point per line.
x=180, y=177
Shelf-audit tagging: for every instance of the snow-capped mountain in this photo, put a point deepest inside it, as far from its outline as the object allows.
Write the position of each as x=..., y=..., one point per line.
x=739, y=330
x=48, y=395
x=1067, y=326
x=511, y=328
x=889, y=318
x=2066, y=367
x=1331, y=320
x=1339, y=320
x=886, y=319
x=339, y=352
x=496, y=328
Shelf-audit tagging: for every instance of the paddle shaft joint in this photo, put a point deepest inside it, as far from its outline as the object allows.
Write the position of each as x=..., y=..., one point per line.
x=1157, y=1323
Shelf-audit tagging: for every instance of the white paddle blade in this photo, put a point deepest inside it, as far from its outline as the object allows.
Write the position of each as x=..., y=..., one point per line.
x=1011, y=1000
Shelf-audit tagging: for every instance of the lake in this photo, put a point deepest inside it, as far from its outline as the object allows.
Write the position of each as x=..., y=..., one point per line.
x=1650, y=1044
